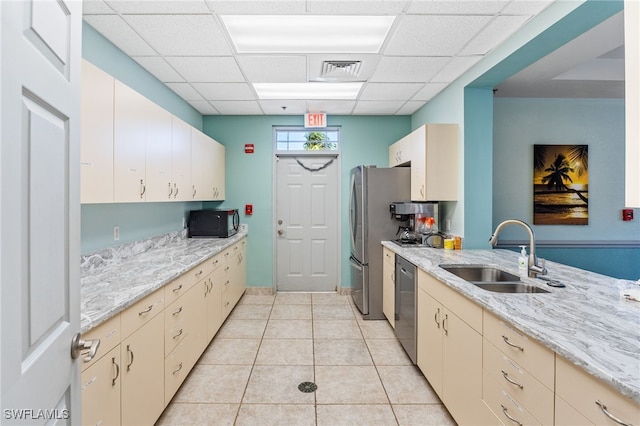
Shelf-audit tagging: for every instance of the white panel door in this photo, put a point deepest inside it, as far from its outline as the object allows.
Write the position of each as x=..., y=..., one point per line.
x=40, y=210
x=307, y=248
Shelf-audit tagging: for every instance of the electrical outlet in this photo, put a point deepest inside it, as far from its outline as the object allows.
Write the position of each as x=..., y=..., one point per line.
x=116, y=233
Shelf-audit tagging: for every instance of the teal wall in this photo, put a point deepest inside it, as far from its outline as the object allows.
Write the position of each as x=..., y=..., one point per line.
x=599, y=123
x=249, y=177
x=136, y=220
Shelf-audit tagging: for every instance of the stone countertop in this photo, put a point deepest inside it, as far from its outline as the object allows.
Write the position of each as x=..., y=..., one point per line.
x=587, y=322
x=113, y=279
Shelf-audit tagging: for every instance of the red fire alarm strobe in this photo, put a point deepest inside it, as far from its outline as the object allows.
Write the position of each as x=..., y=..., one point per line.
x=248, y=209
x=627, y=214
x=248, y=148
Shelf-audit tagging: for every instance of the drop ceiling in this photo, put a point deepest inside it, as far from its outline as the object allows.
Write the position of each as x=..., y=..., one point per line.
x=186, y=45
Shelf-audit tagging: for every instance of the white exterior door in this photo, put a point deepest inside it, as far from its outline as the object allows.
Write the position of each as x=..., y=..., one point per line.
x=40, y=210
x=307, y=250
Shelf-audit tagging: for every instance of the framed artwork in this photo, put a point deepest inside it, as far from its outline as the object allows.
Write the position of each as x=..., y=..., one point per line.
x=560, y=185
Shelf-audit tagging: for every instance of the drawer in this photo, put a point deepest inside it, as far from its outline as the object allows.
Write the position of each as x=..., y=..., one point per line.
x=464, y=308
x=505, y=407
x=531, y=355
x=176, y=327
x=176, y=368
x=530, y=393
x=141, y=312
x=109, y=334
x=178, y=287
x=581, y=391
x=216, y=261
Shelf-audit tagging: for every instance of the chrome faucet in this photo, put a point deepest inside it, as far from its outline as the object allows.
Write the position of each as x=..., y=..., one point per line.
x=533, y=267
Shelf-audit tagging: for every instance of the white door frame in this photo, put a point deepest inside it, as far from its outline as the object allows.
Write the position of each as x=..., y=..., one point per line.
x=274, y=225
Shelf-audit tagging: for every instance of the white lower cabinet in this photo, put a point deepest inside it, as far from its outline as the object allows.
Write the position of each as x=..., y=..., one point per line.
x=388, y=285
x=148, y=350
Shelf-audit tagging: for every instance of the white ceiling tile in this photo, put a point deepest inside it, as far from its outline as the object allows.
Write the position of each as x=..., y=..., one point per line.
x=96, y=7
x=429, y=91
x=457, y=7
x=389, y=91
x=157, y=66
x=197, y=69
x=293, y=107
x=375, y=107
x=244, y=7
x=181, y=35
x=430, y=35
x=204, y=107
x=358, y=7
x=114, y=29
x=407, y=69
x=274, y=69
x=159, y=7
x=225, y=91
x=526, y=7
x=237, y=107
x=494, y=34
x=334, y=107
x=455, y=69
x=410, y=107
x=186, y=91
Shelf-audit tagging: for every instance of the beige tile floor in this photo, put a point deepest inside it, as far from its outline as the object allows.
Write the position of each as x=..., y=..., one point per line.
x=249, y=374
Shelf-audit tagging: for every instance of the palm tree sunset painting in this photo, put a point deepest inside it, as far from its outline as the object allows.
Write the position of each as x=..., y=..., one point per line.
x=560, y=185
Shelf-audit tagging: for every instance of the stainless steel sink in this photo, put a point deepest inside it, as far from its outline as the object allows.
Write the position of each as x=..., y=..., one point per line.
x=480, y=273
x=492, y=279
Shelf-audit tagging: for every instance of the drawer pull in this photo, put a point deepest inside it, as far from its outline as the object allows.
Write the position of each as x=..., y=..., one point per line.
x=146, y=311
x=198, y=274
x=506, y=340
x=510, y=380
x=179, y=334
x=611, y=416
x=117, y=367
x=504, y=411
x=130, y=353
x=177, y=289
x=178, y=311
x=179, y=368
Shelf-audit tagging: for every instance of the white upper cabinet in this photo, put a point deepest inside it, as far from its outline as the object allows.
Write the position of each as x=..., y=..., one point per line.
x=96, y=151
x=159, y=178
x=180, y=160
x=207, y=167
x=432, y=152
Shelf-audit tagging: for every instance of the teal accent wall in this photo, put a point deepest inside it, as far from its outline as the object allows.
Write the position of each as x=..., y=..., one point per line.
x=136, y=220
x=250, y=177
x=599, y=123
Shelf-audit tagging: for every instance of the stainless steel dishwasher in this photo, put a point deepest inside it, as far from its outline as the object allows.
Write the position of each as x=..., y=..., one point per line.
x=405, y=305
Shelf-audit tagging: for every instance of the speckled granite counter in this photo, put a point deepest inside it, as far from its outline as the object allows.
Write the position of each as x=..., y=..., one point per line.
x=588, y=322
x=113, y=279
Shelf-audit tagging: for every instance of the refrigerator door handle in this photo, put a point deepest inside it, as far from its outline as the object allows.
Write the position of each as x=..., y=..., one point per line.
x=354, y=262
x=353, y=205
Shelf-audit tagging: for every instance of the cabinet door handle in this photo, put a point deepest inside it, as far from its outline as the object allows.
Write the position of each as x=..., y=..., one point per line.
x=436, y=318
x=170, y=190
x=117, y=367
x=130, y=355
x=445, y=322
x=146, y=311
x=504, y=411
x=611, y=416
x=506, y=340
x=177, y=289
x=510, y=380
x=143, y=188
x=178, y=369
x=193, y=192
x=179, y=334
x=175, y=193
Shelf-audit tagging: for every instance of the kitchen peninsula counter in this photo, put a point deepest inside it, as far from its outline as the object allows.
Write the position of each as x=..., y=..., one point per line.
x=113, y=279
x=588, y=322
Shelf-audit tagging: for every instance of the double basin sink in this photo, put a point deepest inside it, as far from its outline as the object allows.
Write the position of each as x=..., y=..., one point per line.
x=492, y=279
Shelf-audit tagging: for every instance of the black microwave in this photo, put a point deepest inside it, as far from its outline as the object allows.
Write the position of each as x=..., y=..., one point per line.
x=213, y=223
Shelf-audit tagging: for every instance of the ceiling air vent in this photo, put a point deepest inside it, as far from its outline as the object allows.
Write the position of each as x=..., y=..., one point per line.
x=339, y=70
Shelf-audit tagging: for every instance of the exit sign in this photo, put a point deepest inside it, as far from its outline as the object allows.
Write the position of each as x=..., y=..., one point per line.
x=315, y=119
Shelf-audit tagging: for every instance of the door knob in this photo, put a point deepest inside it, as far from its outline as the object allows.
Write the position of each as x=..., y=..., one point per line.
x=280, y=222
x=280, y=232
x=79, y=346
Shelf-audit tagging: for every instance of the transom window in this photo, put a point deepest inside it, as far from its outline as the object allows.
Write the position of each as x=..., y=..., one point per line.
x=309, y=141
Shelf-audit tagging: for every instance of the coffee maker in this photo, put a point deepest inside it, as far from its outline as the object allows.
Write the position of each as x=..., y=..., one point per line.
x=420, y=223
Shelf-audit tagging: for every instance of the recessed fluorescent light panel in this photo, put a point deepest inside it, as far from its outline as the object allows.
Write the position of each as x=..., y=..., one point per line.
x=341, y=91
x=307, y=33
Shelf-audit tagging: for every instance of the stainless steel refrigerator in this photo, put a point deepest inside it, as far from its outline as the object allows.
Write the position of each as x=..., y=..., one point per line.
x=372, y=191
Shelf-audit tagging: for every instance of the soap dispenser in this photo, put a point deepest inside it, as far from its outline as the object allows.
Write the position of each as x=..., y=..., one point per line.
x=523, y=262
